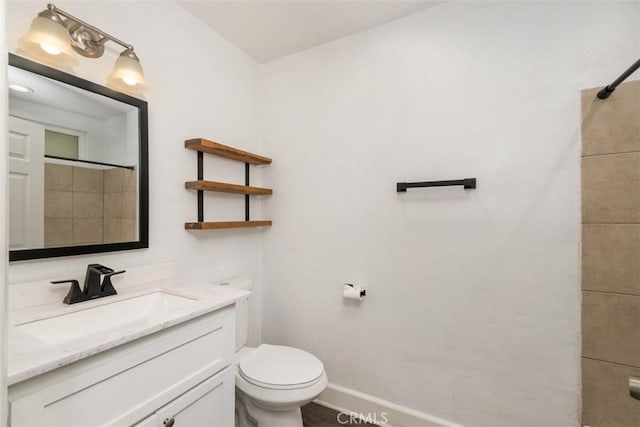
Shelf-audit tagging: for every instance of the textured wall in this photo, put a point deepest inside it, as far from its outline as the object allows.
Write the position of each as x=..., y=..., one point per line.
x=473, y=306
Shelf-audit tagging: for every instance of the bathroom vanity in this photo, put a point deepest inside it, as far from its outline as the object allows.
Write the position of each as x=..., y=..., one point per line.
x=160, y=353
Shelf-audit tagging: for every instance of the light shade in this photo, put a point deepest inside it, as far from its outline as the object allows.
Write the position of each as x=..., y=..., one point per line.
x=127, y=75
x=48, y=41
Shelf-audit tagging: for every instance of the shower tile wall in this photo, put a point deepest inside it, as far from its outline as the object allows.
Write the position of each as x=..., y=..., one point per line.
x=73, y=205
x=610, y=256
x=58, y=208
x=85, y=205
x=121, y=205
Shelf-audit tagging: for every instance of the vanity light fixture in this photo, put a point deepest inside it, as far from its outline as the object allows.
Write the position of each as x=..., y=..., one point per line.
x=56, y=37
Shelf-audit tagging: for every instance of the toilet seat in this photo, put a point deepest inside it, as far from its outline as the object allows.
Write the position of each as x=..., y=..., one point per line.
x=278, y=367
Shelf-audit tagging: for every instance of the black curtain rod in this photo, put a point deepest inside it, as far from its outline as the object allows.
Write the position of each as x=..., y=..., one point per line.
x=608, y=90
x=48, y=156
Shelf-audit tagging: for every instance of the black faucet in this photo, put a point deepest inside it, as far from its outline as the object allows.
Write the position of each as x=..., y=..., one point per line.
x=92, y=287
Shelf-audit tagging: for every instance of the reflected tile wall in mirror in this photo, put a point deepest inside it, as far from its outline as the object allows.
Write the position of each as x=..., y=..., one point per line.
x=89, y=205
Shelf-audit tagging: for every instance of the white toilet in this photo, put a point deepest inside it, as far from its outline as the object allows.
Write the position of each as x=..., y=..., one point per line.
x=272, y=381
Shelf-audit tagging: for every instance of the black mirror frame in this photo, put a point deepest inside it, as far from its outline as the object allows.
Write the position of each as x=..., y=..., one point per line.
x=143, y=185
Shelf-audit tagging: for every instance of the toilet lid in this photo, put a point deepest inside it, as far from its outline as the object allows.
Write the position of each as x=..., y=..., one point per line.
x=276, y=366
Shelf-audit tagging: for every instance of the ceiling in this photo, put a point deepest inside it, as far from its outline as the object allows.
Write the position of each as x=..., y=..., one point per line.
x=61, y=96
x=270, y=29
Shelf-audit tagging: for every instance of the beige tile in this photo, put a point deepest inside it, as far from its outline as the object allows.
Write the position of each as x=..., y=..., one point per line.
x=87, y=230
x=612, y=125
x=113, y=205
x=129, y=180
x=611, y=188
x=611, y=258
x=129, y=204
x=113, y=230
x=58, y=204
x=87, y=205
x=58, y=177
x=113, y=179
x=129, y=233
x=605, y=395
x=610, y=327
x=58, y=232
x=87, y=180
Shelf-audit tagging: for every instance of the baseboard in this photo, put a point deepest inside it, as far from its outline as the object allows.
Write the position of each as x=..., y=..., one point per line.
x=375, y=410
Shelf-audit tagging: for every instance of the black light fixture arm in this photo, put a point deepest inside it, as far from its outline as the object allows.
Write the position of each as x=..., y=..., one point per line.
x=80, y=23
x=608, y=90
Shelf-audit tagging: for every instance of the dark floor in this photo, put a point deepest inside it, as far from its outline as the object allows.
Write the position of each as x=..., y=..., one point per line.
x=314, y=415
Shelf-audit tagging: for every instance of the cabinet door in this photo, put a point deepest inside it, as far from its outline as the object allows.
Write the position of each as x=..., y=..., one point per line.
x=209, y=404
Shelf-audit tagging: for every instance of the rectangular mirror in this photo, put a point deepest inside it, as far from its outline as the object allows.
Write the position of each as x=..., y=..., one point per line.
x=78, y=165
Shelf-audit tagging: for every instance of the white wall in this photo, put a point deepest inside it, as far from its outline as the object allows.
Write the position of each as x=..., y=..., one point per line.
x=200, y=85
x=118, y=146
x=473, y=306
x=4, y=244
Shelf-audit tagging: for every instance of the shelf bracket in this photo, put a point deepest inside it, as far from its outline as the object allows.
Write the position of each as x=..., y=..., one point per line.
x=246, y=196
x=200, y=192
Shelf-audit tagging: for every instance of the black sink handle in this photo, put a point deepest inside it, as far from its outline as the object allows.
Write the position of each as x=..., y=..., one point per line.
x=75, y=294
x=107, y=287
x=108, y=275
x=114, y=273
x=57, y=282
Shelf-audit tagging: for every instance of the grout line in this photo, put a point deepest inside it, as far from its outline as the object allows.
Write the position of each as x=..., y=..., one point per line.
x=609, y=361
x=612, y=293
x=610, y=223
x=610, y=154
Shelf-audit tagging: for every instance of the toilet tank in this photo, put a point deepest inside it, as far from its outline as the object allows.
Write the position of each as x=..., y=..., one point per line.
x=242, y=307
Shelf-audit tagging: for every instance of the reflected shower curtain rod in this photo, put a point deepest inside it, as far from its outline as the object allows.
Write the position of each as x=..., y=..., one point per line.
x=608, y=90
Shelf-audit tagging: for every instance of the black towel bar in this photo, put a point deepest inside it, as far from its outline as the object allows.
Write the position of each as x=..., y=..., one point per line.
x=468, y=183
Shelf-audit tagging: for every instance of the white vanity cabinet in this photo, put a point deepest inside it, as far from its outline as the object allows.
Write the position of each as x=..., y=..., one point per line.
x=182, y=374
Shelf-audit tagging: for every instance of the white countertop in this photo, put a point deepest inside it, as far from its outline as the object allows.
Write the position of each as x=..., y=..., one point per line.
x=29, y=357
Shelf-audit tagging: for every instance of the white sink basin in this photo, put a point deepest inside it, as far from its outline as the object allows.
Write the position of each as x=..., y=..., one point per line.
x=66, y=327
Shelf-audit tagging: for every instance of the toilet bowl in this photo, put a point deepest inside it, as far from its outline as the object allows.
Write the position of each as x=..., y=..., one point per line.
x=272, y=381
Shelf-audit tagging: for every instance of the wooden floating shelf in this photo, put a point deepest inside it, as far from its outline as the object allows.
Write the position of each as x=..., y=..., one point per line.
x=202, y=145
x=215, y=225
x=223, y=187
x=211, y=147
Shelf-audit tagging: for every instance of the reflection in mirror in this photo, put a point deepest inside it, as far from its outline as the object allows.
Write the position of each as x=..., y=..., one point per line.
x=74, y=166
